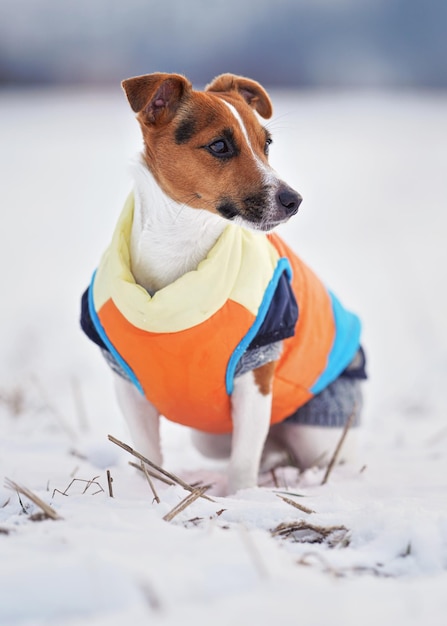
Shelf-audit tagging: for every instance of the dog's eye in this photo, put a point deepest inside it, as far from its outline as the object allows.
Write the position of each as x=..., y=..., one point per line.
x=267, y=145
x=220, y=148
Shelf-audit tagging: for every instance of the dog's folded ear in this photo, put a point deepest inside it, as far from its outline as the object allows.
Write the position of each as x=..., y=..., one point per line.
x=250, y=90
x=157, y=95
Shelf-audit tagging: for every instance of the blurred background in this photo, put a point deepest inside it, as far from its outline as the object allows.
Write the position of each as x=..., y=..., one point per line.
x=360, y=130
x=298, y=43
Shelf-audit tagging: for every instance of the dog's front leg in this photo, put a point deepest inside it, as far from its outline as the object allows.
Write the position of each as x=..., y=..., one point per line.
x=142, y=418
x=251, y=404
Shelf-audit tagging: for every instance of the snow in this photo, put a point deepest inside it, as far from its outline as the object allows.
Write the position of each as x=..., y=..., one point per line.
x=372, y=172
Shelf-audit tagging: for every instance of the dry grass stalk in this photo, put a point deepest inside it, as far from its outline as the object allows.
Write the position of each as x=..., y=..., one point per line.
x=302, y=508
x=334, y=458
x=318, y=534
x=109, y=483
x=46, y=508
x=140, y=457
x=89, y=483
x=162, y=479
x=150, y=483
x=194, y=521
x=183, y=504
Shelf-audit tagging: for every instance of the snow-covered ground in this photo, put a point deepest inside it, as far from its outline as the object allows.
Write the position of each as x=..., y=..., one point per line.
x=372, y=170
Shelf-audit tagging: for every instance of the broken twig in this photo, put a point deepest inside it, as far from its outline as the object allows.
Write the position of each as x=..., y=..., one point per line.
x=304, y=532
x=334, y=458
x=46, y=508
x=302, y=508
x=88, y=484
x=162, y=479
x=109, y=483
x=151, y=484
x=140, y=457
x=183, y=504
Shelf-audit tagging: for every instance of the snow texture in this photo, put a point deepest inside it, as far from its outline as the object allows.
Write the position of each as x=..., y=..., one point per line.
x=372, y=171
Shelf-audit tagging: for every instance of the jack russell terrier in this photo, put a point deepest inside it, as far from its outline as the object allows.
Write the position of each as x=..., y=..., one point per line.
x=207, y=317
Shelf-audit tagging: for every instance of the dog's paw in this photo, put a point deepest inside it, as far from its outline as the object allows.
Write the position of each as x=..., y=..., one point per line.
x=237, y=481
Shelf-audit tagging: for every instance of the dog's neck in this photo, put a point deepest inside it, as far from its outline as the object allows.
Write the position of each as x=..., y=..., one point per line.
x=168, y=239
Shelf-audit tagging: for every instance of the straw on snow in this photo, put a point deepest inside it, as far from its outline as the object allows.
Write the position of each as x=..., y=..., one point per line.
x=139, y=456
x=162, y=479
x=151, y=484
x=183, y=504
x=109, y=483
x=46, y=508
x=302, y=508
x=88, y=484
x=321, y=533
x=339, y=446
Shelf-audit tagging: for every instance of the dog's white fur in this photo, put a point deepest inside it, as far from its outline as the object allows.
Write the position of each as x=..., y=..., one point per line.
x=270, y=178
x=167, y=240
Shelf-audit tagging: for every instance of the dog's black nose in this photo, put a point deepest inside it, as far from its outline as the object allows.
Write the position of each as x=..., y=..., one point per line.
x=289, y=199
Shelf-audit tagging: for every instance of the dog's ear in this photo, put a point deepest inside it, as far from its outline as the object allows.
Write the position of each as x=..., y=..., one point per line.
x=157, y=96
x=252, y=92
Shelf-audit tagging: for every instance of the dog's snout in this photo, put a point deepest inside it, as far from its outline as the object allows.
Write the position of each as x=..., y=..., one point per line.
x=289, y=199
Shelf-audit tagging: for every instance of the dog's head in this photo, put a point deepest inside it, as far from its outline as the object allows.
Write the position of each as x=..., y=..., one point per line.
x=208, y=149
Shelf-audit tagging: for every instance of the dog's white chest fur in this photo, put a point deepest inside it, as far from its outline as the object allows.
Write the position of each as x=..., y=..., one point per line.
x=168, y=239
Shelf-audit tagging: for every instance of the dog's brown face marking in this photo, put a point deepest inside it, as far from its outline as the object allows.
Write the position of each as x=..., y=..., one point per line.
x=208, y=149
x=185, y=130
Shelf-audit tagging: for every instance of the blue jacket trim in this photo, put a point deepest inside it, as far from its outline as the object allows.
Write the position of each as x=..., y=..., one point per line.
x=344, y=348
x=106, y=341
x=256, y=335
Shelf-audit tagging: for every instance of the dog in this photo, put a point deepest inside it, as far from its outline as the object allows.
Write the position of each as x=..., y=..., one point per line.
x=207, y=317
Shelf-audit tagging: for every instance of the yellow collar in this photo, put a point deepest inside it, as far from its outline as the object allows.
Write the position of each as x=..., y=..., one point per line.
x=239, y=266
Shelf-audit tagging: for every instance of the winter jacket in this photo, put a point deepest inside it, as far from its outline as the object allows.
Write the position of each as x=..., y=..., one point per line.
x=182, y=347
